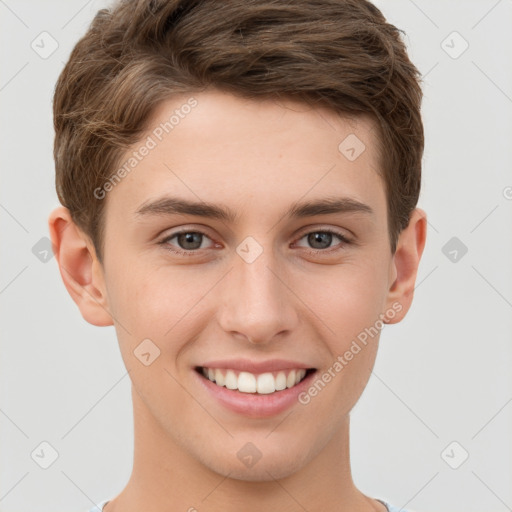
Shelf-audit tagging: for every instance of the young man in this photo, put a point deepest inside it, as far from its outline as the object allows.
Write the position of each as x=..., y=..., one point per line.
x=239, y=184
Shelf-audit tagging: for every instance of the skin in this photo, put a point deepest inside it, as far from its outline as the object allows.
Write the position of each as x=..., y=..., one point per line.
x=257, y=158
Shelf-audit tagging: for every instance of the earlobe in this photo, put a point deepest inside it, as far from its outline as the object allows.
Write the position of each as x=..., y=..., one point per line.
x=406, y=260
x=79, y=267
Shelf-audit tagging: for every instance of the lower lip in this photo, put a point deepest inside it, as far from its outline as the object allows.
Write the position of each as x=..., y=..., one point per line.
x=254, y=405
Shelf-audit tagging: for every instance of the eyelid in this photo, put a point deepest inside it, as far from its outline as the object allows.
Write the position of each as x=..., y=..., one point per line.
x=188, y=228
x=344, y=234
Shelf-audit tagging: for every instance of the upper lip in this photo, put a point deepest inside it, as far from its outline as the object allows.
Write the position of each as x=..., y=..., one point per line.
x=246, y=365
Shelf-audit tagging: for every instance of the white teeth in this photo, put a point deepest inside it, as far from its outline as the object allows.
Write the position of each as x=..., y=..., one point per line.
x=219, y=378
x=266, y=383
x=231, y=380
x=290, y=380
x=246, y=382
x=300, y=375
x=280, y=381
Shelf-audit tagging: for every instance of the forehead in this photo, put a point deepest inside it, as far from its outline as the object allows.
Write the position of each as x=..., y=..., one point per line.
x=217, y=147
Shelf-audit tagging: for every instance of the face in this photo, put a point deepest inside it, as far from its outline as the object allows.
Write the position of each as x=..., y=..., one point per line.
x=249, y=242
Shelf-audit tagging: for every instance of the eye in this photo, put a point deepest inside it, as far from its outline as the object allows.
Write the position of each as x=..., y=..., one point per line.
x=186, y=241
x=322, y=239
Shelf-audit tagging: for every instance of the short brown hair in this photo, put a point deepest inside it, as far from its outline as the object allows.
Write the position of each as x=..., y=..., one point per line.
x=341, y=54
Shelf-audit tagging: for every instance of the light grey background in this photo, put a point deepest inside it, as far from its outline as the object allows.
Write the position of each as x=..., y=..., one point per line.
x=442, y=375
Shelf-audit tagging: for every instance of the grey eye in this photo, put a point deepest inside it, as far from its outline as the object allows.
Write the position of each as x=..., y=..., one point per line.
x=320, y=239
x=190, y=240
x=323, y=239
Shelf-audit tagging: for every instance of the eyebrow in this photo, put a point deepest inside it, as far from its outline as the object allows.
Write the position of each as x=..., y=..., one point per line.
x=329, y=205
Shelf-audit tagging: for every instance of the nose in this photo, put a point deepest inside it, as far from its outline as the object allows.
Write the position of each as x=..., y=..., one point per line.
x=256, y=303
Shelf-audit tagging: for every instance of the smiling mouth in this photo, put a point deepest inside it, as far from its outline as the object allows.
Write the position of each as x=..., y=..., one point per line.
x=262, y=383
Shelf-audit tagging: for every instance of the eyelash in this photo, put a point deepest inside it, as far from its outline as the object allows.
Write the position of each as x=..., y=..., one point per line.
x=193, y=252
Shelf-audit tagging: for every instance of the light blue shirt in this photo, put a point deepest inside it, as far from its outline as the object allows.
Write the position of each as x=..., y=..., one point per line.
x=391, y=508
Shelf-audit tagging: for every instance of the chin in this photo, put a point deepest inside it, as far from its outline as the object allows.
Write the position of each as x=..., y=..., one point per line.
x=278, y=465
x=261, y=472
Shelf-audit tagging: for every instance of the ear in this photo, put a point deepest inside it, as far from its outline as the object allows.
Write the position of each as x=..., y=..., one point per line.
x=406, y=259
x=79, y=267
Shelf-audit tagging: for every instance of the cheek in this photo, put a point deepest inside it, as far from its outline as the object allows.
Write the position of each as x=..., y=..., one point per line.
x=156, y=317
x=348, y=303
x=158, y=303
x=348, y=298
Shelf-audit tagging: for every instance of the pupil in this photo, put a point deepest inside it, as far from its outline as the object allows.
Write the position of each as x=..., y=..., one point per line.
x=320, y=240
x=190, y=240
